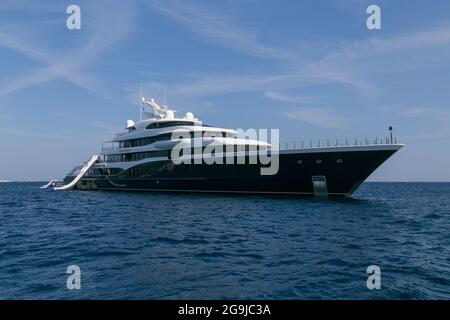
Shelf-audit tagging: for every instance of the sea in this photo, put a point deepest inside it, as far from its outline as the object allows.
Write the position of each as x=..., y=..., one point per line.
x=129, y=245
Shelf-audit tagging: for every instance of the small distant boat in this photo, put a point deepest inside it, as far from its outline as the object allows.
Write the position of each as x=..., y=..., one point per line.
x=4, y=181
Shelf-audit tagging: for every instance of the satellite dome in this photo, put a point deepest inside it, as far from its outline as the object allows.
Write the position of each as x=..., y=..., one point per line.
x=129, y=124
x=189, y=116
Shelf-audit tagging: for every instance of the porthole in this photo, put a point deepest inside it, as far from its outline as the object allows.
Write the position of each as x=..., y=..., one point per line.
x=318, y=161
x=299, y=161
x=339, y=160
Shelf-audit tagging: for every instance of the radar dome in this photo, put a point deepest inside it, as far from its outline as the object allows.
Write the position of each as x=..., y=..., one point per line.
x=129, y=124
x=189, y=116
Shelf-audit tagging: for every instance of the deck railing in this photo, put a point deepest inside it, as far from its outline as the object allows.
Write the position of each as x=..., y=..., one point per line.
x=332, y=143
x=309, y=144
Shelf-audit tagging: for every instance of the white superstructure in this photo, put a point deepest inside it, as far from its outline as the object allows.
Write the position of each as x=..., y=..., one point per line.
x=158, y=131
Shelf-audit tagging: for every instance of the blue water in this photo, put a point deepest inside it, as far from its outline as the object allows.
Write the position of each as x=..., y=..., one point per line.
x=188, y=246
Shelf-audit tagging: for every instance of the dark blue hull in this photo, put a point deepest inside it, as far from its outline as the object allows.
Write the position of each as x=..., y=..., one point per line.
x=338, y=173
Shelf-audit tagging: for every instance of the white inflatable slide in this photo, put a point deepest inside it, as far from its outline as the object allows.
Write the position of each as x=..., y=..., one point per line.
x=82, y=173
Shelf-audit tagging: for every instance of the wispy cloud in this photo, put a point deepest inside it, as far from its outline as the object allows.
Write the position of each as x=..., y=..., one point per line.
x=41, y=135
x=229, y=83
x=105, y=126
x=416, y=112
x=269, y=85
x=278, y=96
x=436, y=115
x=356, y=63
x=106, y=28
x=6, y=117
x=317, y=117
x=407, y=111
x=218, y=28
x=353, y=64
x=406, y=41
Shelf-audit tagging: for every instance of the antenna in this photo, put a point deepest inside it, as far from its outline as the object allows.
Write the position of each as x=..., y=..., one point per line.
x=141, y=107
x=390, y=131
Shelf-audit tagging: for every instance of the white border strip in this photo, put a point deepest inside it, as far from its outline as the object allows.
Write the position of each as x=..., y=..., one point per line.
x=344, y=149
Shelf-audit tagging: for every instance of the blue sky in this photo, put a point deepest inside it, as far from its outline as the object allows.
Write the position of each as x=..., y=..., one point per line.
x=310, y=68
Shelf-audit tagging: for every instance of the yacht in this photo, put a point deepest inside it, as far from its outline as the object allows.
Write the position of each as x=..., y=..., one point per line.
x=163, y=152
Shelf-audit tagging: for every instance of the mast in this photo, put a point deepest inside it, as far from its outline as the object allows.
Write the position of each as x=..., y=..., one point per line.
x=141, y=107
x=158, y=111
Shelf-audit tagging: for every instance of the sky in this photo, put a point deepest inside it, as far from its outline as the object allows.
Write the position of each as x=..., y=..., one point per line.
x=310, y=68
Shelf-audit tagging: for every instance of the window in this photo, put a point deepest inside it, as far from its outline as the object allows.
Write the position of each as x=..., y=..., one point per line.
x=212, y=134
x=114, y=158
x=144, y=141
x=137, y=156
x=125, y=144
x=152, y=125
x=155, y=125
